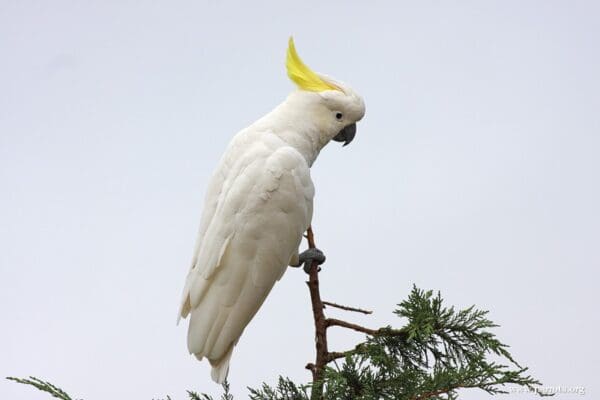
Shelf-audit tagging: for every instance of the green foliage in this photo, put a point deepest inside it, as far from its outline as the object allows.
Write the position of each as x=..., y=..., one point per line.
x=43, y=386
x=439, y=351
x=202, y=396
x=285, y=390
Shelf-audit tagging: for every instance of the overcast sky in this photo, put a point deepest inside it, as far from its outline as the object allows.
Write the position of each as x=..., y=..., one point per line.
x=476, y=171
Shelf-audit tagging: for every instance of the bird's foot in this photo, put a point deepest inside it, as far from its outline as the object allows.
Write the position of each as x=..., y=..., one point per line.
x=309, y=256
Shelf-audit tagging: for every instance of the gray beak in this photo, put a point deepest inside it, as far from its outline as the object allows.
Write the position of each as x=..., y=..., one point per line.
x=346, y=135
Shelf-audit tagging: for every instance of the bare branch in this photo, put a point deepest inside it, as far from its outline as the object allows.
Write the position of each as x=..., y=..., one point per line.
x=348, y=325
x=336, y=355
x=341, y=307
x=320, y=325
x=310, y=238
x=373, y=332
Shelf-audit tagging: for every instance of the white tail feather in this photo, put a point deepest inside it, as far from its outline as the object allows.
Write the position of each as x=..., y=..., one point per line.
x=221, y=368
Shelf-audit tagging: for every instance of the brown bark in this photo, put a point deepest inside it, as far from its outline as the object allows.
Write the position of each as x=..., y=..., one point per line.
x=341, y=307
x=320, y=326
x=323, y=356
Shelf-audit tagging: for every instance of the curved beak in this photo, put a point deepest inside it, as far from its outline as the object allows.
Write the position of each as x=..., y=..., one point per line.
x=346, y=135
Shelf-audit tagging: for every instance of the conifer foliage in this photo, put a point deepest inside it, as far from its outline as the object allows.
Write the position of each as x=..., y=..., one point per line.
x=436, y=353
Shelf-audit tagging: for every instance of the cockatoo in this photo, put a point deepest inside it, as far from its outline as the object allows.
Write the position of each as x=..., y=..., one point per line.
x=258, y=204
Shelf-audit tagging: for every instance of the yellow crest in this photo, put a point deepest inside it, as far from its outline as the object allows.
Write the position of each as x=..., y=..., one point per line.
x=301, y=75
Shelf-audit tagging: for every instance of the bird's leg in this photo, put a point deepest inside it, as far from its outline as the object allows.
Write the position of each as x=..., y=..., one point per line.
x=309, y=256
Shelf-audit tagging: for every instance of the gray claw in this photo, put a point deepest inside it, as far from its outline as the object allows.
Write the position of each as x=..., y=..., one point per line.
x=309, y=256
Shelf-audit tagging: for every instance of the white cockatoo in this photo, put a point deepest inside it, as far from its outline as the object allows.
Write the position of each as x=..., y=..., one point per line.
x=258, y=204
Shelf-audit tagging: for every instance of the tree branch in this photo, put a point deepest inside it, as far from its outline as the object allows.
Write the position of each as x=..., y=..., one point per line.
x=341, y=307
x=320, y=325
x=337, y=322
x=323, y=356
x=373, y=332
x=336, y=355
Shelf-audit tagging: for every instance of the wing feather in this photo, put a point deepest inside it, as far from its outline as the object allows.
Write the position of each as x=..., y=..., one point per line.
x=259, y=212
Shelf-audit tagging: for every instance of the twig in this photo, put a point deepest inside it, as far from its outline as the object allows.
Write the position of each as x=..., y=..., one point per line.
x=373, y=332
x=341, y=307
x=336, y=355
x=348, y=325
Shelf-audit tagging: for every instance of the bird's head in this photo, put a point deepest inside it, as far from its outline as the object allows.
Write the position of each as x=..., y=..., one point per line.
x=332, y=106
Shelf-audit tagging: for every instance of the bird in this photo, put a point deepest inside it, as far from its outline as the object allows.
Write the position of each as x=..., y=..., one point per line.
x=258, y=204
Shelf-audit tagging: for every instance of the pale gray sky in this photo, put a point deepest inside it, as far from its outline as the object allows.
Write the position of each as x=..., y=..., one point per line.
x=476, y=171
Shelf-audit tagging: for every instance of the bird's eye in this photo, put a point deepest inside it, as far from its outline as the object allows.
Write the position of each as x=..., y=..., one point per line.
x=339, y=115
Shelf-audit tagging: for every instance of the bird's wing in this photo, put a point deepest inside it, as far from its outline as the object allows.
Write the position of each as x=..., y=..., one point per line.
x=260, y=215
x=230, y=166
